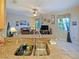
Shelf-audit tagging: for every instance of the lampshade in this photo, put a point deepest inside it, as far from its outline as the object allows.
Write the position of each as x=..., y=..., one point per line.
x=13, y=29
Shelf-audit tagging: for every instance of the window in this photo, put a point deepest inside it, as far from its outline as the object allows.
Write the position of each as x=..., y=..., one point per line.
x=37, y=24
x=64, y=23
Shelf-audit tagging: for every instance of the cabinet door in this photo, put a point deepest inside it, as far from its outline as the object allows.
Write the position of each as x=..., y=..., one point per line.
x=2, y=17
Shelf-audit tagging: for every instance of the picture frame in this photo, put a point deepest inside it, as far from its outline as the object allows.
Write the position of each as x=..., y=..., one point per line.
x=74, y=22
x=53, y=19
x=23, y=22
x=17, y=23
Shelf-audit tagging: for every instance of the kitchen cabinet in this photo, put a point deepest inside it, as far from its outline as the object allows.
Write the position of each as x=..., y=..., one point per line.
x=2, y=15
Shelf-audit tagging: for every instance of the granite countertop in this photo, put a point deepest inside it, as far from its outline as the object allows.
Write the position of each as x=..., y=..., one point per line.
x=8, y=49
x=32, y=36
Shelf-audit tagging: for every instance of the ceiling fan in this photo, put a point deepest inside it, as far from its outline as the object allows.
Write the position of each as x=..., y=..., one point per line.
x=35, y=11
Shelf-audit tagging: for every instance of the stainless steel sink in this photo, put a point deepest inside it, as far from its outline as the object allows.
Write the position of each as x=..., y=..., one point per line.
x=25, y=50
x=41, y=49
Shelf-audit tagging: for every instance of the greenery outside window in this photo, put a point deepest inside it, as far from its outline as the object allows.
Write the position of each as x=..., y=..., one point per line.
x=64, y=23
x=37, y=24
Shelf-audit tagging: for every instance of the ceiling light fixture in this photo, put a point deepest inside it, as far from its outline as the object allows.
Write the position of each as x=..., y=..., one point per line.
x=35, y=12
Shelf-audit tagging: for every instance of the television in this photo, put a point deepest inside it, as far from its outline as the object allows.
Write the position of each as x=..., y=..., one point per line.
x=44, y=27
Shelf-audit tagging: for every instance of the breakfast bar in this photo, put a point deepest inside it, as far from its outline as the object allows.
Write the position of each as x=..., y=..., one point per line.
x=7, y=51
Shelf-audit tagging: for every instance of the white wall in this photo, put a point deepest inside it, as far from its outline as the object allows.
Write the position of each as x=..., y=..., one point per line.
x=12, y=17
x=74, y=29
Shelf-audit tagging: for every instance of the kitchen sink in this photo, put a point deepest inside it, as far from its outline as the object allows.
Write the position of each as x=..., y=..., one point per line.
x=41, y=49
x=24, y=50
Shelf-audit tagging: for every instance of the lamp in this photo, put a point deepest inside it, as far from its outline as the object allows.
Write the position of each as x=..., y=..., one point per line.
x=13, y=29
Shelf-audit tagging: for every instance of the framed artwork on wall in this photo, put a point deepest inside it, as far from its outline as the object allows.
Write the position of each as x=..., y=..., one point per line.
x=48, y=20
x=17, y=23
x=53, y=19
x=74, y=22
x=23, y=22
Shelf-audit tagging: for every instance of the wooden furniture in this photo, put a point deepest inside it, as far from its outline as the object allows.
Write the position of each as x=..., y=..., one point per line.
x=2, y=16
x=25, y=31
